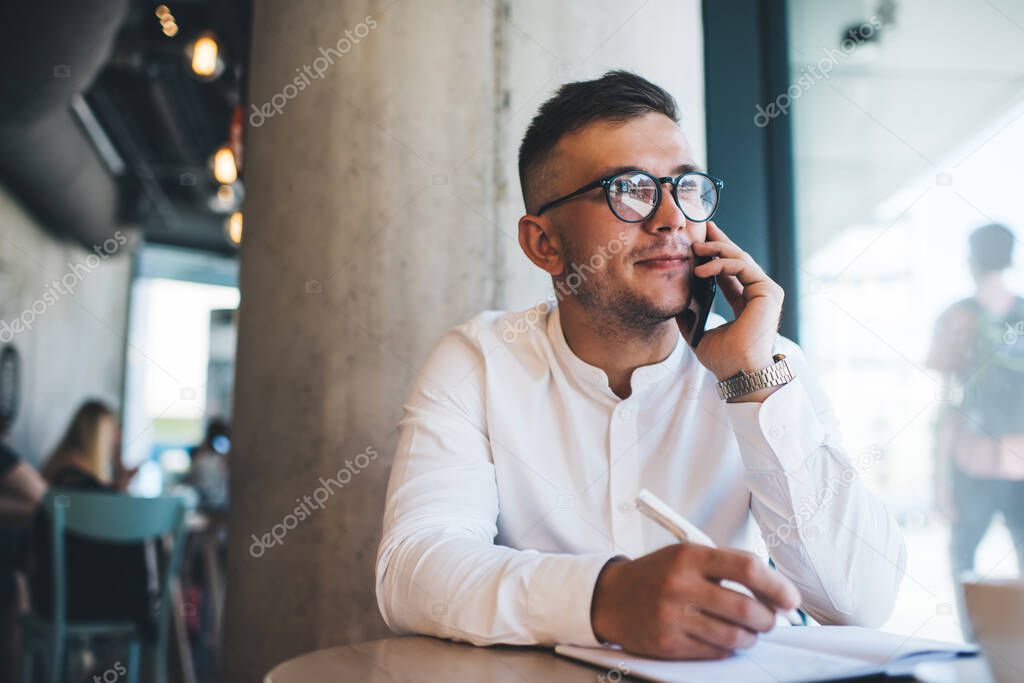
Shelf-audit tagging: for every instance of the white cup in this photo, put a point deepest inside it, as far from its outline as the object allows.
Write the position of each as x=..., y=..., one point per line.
x=995, y=608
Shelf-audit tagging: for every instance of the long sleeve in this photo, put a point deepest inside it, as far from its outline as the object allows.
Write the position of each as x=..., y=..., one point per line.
x=439, y=571
x=820, y=524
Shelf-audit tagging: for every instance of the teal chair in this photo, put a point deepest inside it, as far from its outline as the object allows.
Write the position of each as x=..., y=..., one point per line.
x=114, y=518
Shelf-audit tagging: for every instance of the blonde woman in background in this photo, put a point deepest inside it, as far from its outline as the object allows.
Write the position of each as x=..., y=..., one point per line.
x=85, y=456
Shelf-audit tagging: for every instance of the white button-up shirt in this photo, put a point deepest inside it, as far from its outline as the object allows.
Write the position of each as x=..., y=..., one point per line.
x=517, y=468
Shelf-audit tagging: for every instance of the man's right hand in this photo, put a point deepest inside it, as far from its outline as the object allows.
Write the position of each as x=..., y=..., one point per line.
x=670, y=605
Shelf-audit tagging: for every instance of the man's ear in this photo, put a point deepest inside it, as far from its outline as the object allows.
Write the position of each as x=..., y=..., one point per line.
x=539, y=241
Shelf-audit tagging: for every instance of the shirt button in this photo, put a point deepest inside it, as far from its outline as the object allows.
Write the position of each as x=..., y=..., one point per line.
x=777, y=431
x=625, y=507
x=626, y=414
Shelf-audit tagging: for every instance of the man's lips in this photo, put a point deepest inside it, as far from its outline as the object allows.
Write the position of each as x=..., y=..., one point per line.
x=664, y=261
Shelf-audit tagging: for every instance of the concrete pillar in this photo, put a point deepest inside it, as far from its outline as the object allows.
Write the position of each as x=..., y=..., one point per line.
x=382, y=200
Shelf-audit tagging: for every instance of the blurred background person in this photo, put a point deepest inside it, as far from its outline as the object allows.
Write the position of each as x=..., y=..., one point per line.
x=208, y=473
x=106, y=581
x=21, y=490
x=204, y=584
x=978, y=346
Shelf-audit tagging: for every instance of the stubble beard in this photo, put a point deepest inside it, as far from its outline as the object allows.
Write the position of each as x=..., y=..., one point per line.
x=615, y=312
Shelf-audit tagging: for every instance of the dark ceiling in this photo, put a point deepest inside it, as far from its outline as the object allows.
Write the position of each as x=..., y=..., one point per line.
x=104, y=123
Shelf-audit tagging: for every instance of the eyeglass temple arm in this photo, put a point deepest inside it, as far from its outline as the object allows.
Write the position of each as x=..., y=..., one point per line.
x=561, y=200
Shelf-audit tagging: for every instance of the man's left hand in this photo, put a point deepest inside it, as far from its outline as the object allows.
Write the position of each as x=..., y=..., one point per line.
x=756, y=300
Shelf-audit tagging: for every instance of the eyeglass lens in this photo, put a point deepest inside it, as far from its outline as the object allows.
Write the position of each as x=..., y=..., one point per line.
x=633, y=196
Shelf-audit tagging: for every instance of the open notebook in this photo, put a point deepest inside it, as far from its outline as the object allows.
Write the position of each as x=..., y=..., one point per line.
x=786, y=655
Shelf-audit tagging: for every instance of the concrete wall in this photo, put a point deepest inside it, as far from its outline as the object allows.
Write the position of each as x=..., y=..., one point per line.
x=382, y=200
x=72, y=344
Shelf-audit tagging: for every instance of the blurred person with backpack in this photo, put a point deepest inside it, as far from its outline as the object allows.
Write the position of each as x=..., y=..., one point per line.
x=978, y=346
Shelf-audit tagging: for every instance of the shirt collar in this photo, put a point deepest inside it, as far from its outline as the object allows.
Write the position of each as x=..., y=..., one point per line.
x=593, y=376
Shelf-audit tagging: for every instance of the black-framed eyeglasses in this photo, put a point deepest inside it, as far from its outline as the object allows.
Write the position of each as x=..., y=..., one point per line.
x=634, y=195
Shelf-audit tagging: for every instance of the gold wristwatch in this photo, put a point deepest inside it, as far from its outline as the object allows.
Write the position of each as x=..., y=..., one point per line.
x=743, y=382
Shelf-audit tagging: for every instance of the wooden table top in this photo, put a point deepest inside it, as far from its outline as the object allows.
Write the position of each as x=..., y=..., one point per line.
x=431, y=660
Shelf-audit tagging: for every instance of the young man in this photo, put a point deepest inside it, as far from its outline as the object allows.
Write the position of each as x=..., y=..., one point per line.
x=510, y=515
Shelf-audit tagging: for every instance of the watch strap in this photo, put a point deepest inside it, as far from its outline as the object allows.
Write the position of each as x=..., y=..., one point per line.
x=743, y=382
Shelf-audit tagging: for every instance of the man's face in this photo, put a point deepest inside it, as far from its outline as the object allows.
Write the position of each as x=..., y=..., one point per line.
x=645, y=271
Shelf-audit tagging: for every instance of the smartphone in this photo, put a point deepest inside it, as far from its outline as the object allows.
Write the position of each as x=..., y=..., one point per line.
x=702, y=296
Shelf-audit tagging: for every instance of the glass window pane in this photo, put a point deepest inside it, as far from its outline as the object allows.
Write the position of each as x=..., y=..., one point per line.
x=904, y=145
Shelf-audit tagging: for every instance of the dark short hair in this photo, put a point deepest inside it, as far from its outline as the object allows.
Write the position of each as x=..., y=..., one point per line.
x=991, y=247
x=616, y=96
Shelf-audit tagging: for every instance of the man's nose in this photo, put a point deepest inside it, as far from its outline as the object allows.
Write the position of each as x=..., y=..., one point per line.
x=667, y=217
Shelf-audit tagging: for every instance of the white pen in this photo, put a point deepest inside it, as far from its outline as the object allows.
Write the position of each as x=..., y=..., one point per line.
x=670, y=520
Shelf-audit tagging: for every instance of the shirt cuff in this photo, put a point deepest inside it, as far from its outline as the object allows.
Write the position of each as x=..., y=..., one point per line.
x=780, y=432
x=559, y=597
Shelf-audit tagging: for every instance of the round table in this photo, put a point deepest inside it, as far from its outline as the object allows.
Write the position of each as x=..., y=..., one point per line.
x=430, y=660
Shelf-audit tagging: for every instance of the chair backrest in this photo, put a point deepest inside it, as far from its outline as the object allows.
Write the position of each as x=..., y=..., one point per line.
x=116, y=517
x=119, y=518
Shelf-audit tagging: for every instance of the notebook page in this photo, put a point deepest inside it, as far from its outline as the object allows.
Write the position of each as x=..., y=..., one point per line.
x=877, y=647
x=764, y=663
